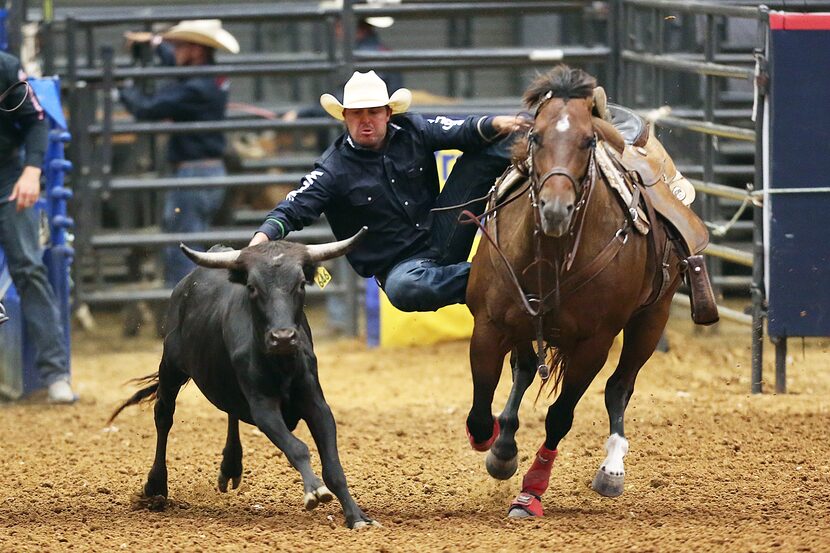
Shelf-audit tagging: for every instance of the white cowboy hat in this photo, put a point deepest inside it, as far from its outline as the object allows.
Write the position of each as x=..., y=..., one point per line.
x=381, y=22
x=207, y=32
x=366, y=90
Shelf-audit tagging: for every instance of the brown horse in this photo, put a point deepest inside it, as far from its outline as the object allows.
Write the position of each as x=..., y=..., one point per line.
x=565, y=250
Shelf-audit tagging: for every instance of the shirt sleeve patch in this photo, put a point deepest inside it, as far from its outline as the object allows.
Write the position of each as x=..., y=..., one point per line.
x=307, y=181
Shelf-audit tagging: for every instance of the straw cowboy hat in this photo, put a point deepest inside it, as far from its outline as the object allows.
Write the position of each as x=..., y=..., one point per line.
x=381, y=22
x=366, y=90
x=207, y=32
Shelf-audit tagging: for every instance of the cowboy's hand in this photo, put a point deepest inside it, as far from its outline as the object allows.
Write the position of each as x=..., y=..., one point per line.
x=258, y=238
x=137, y=37
x=27, y=188
x=505, y=124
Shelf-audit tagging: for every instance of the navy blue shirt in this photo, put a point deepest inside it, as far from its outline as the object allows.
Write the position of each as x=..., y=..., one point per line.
x=390, y=191
x=182, y=100
x=23, y=125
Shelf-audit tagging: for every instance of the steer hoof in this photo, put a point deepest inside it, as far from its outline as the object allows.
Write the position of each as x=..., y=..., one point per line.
x=607, y=484
x=320, y=495
x=222, y=482
x=360, y=524
x=501, y=469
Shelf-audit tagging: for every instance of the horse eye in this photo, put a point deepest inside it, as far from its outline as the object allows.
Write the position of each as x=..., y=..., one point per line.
x=536, y=139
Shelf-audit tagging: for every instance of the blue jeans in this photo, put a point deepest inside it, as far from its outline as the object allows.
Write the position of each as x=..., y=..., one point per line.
x=189, y=210
x=19, y=238
x=438, y=277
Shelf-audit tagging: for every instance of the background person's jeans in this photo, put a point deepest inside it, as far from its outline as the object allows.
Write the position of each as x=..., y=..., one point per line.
x=19, y=235
x=189, y=210
x=439, y=277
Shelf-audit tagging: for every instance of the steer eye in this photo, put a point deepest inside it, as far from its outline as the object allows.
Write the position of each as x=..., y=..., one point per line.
x=252, y=292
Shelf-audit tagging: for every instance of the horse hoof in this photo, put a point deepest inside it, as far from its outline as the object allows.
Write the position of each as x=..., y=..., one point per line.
x=485, y=445
x=323, y=494
x=499, y=468
x=608, y=485
x=518, y=512
x=526, y=505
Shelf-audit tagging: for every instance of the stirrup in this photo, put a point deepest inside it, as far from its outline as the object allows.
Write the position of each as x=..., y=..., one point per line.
x=704, y=308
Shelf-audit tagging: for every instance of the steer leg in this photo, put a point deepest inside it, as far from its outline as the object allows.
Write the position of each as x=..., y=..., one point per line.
x=502, y=461
x=267, y=415
x=231, y=467
x=582, y=365
x=323, y=429
x=170, y=382
x=642, y=334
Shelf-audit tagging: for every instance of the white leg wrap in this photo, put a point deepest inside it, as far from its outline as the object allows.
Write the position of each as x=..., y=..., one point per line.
x=616, y=447
x=610, y=478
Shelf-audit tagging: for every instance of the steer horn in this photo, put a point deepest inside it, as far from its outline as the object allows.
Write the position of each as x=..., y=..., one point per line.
x=321, y=252
x=212, y=260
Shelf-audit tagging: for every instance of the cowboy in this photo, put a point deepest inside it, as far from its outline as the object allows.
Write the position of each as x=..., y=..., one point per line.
x=381, y=173
x=23, y=141
x=198, y=98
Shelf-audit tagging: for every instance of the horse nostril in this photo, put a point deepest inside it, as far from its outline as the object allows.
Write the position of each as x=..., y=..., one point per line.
x=570, y=208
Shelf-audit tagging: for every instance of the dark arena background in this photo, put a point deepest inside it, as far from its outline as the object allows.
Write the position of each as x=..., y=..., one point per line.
x=727, y=426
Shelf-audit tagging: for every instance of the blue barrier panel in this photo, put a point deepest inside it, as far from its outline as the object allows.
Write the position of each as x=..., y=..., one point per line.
x=797, y=197
x=18, y=375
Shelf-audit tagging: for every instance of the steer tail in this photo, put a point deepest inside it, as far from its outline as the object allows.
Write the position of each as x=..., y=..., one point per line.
x=143, y=395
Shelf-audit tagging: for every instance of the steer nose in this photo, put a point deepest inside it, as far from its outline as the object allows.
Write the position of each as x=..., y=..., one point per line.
x=556, y=216
x=282, y=340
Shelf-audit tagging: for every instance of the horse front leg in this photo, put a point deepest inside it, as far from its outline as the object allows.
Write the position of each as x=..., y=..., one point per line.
x=487, y=351
x=642, y=334
x=581, y=367
x=502, y=460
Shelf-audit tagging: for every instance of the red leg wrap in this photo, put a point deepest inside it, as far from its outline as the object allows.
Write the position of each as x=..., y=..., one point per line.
x=528, y=503
x=484, y=446
x=536, y=480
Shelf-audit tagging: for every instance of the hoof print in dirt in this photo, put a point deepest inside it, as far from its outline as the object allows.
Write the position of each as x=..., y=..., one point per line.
x=156, y=503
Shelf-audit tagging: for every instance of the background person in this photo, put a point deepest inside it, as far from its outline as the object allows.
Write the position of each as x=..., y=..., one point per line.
x=381, y=173
x=187, y=210
x=23, y=143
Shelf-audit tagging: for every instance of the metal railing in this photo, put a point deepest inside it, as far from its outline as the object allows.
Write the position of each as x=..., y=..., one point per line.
x=92, y=70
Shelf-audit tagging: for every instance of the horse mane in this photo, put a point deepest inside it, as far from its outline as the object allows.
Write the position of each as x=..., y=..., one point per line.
x=560, y=82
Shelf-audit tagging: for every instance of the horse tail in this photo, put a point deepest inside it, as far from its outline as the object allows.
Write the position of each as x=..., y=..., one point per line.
x=558, y=365
x=146, y=394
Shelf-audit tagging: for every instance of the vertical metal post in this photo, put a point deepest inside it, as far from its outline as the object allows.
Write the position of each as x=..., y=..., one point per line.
x=757, y=290
x=14, y=23
x=104, y=159
x=349, y=25
x=780, y=364
x=258, y=47
x=615, y=27
x=711, y=204
x=659, y=48
x=47, y=47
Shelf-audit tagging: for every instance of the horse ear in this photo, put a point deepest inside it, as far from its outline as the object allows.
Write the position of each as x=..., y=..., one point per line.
x=609, y=133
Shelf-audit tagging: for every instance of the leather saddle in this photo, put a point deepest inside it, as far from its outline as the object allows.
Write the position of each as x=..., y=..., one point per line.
x=669, y=192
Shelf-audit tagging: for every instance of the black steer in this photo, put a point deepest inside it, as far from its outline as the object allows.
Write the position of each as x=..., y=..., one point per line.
x=243, y=338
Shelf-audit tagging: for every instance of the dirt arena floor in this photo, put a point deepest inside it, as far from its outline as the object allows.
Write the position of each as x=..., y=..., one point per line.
x=711, y=468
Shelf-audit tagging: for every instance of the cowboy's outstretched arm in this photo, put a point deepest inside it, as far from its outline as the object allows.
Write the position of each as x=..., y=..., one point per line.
x=300, y=207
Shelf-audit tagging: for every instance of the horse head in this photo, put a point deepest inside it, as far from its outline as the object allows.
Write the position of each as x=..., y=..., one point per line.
x=560, y=145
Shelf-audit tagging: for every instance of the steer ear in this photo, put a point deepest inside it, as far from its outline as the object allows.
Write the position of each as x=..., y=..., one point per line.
x=321, y=252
